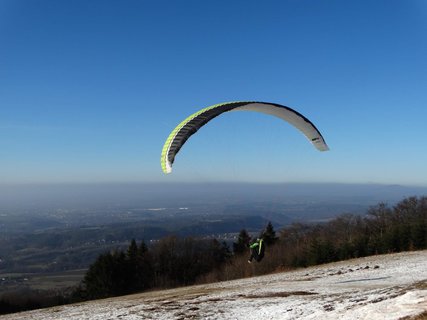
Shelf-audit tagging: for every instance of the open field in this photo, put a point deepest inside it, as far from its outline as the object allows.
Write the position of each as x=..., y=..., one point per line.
x=40, y=281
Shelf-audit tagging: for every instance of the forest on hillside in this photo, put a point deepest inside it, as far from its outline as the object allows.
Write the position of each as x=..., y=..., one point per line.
x=175, y=261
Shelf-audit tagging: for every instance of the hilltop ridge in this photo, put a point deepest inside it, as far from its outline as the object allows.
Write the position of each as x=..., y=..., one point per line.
x=390, y=286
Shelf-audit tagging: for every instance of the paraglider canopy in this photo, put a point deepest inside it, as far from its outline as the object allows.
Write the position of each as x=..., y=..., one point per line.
x=194, y=122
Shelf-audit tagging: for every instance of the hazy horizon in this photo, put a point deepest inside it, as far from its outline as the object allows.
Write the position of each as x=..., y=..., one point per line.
x=75, y=195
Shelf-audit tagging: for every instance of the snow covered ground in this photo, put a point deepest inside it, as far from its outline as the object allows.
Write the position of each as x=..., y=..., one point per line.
x=379, y=287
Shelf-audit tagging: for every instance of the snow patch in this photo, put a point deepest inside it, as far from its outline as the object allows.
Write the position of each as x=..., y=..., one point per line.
x=379, y=287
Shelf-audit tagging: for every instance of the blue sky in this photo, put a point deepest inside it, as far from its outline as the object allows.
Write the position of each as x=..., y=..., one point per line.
x=89, y=90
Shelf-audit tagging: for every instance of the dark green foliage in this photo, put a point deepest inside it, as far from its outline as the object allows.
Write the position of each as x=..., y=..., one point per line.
x=132, y=251
x=28, y=300
x=419, y=237
x=107, y=276
x=118, y=273
x=144, y=270
x=170, y=262
x=268, y=235
x=182, y=261
x=242, y=243
x=220, y=253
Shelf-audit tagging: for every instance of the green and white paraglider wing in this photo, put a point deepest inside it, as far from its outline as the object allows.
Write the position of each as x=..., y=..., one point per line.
x=190, y=125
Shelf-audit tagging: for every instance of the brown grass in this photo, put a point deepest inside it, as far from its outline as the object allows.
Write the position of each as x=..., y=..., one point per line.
x=422, y=285
x=240, y=268
x=421, y=316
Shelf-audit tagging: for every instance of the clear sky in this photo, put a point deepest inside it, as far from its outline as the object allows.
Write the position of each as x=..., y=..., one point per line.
x=89, y=90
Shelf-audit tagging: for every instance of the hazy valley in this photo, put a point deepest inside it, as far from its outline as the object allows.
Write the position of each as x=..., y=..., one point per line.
x=51, y=234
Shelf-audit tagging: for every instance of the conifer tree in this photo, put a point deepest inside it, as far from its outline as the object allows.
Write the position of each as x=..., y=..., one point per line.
x=269, y=235
x=144, y=268
x=242, y=242
x=132, y=251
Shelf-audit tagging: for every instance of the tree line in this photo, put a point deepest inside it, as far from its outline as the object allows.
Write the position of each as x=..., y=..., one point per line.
x=174, y=261
x=382, y=230
x=170, y=262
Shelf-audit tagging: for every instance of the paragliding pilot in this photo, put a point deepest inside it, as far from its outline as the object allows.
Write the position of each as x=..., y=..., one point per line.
x=257, y=250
